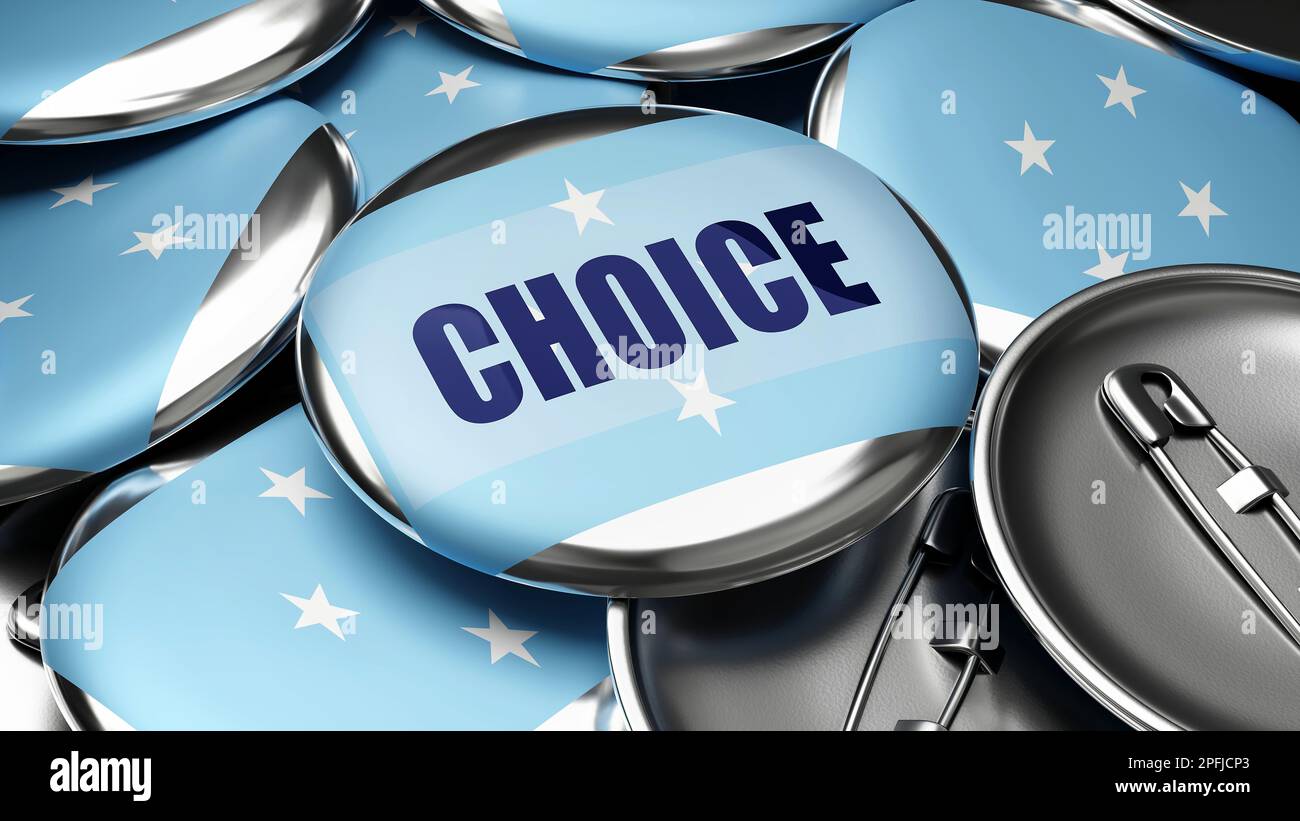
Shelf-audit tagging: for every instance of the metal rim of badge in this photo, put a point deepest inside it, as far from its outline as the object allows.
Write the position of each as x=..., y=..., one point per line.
x=603, y=560
x=1184, y=411
x=245, y=54
x=729, y=55
x=1188, y=29
x=219, y=351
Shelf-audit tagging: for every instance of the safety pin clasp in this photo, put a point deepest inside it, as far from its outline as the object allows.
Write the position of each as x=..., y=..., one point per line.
x=1124, y=390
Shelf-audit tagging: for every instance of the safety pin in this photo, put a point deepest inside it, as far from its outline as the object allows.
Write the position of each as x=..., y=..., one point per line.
x=1250, y=485
x=949, y=530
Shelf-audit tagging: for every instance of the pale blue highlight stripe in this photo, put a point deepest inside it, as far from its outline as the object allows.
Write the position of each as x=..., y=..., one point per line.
x=564, y=491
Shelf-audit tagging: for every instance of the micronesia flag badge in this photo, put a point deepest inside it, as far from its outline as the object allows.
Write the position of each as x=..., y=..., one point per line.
x=82, y=70
x=632, y=351
x=663, y=39
x=411, y=85
x=252, y=590
x=1076, y=156
x=145, y=279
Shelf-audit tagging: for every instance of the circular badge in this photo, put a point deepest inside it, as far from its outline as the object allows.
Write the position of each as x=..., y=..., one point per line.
x=1075, y=157
x=637, y=352
x=145, y=279
x=410, y=86
x=218, y=593
x=86, y=70
x=877, y=637
x=663, y=39
x=1260, y=35
x=1133, y=451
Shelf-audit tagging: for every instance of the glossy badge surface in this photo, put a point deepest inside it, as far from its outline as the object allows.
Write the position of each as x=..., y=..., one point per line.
x=1261, y=35
x=252, y=590
x=143, y=280
x=85, y=70
x=637, y=354
x=410, y=85
x=1172, y=605
x=662, y=39
x=1072, y=158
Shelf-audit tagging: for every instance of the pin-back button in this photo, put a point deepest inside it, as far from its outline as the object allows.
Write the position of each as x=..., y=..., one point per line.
x=250, y=589
x=663, y=39
x=1049, y=169
x=1095, y=480
x=619, y=352
x=85, y=70
x=145, y=279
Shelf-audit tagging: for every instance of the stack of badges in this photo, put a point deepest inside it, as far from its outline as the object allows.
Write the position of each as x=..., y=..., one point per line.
x=591, y=406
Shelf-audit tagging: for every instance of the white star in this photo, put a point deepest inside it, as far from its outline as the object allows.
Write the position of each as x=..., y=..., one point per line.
x=583, y=207
x=1121, y=93
x=318, y=610
x=408, y=23
x=1107, y=266
x=700, y=401
x=293, y=487
x=83, y=191
x=157, y=242
x=1199, y=206
x=1032, y=151
x=453, y=84
x=13, y=310
x=503, y=641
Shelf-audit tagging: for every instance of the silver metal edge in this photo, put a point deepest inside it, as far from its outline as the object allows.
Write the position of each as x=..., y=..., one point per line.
x=313, y=196
x=1092, y=678
x=81, y=710
x=623, y=668
x=749, y=52
x=333, y=24
x=22, y=482
x=1198, y=38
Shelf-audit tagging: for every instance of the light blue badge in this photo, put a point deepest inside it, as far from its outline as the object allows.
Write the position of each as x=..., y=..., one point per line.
x=1049, y=157
x=667, y=39
x=411, y=85
x=255, y=591
x=112, y=330
x=79, y=70
x=553, y=342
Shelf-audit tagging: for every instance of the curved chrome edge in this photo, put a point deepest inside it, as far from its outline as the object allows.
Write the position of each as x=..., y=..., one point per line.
x=81, y=710
x=595, y=710
x=249, y=311
x=622, y=669
x=822, y=122
x=1205, y=41
x=21, y=482
x=187, y=76
x=340, y=439
x=23, y=628
x=742, y=54
x=1058, y=644
x=483, y=19
x=725, y=56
